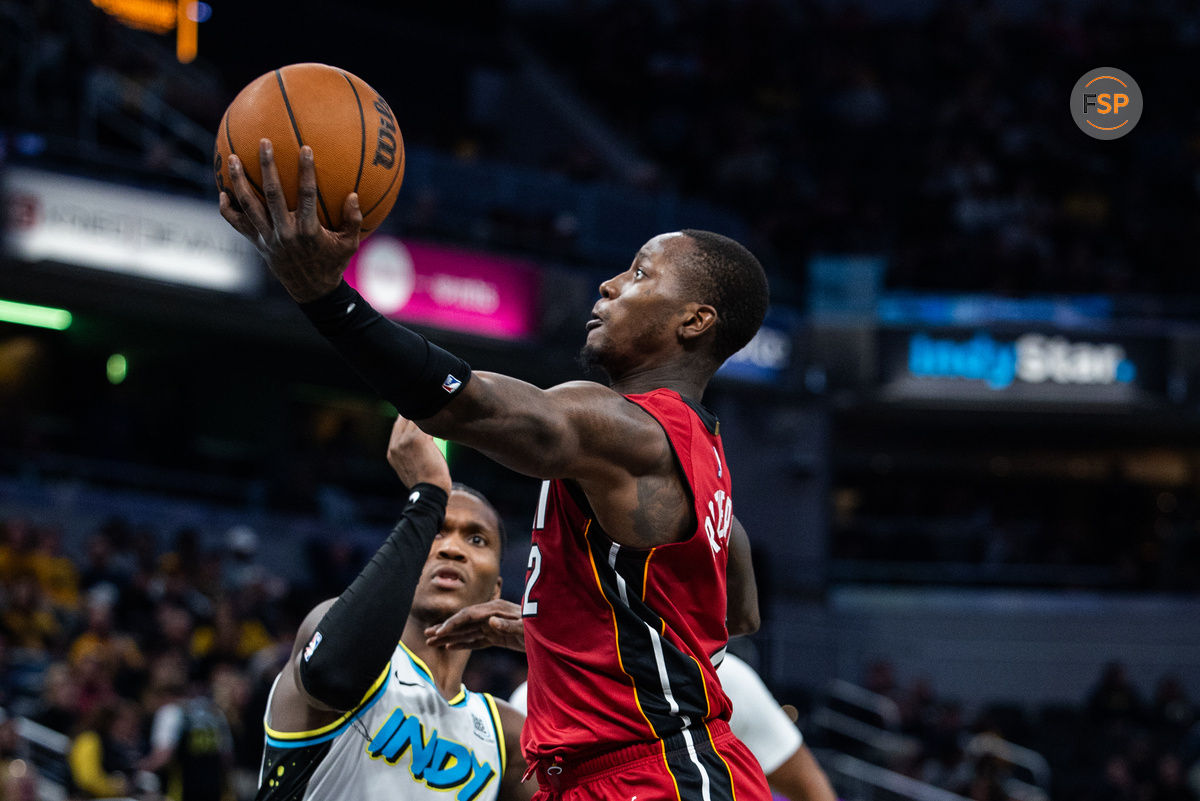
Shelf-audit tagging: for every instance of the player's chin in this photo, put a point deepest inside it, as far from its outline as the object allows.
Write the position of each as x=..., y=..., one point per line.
x=591, y=355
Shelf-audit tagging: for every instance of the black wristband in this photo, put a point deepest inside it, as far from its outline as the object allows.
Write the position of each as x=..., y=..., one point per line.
x=413, y=374
x=356, y=637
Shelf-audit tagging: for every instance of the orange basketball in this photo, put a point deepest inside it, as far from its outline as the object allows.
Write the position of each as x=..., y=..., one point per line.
x=356, y=143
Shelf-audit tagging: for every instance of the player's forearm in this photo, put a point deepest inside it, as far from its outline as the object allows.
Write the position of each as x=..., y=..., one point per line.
x=412, y=373
x=355, y=638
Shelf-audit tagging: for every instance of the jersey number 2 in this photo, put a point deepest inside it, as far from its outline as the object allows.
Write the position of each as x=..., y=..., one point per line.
x=534, y=566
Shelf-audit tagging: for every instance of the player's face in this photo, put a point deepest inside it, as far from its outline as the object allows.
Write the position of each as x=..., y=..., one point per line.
x=634, y=320
x=463, y=566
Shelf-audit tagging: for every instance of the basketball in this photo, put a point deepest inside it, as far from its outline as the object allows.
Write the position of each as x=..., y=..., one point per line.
x=357, y=146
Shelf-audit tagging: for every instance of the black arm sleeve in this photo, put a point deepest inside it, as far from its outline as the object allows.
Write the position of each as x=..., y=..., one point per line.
x=412, y=373
x=356, y=637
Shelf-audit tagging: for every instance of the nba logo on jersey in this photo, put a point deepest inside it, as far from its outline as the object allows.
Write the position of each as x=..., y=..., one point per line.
x=451, y=383
x=312, y=646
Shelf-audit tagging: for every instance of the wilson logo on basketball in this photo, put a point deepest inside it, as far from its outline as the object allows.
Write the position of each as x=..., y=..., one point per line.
x=385, y=147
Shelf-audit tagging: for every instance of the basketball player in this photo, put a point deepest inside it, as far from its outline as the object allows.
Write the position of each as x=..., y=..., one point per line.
x=364, y=708
x=625, y=598
x=757, y=719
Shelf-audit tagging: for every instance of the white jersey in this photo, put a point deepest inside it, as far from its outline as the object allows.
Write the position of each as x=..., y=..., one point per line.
x=756, y=719
x=404, y=741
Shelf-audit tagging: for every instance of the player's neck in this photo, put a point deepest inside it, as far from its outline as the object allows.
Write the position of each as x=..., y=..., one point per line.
x=685, y=380
x=446, y=666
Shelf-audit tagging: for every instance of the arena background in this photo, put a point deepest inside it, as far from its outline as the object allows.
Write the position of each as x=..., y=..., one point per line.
x=966, y=443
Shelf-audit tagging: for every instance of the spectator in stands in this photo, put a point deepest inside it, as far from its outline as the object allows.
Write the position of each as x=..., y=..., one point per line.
x=1114, y=699
x=58, y=708
x=94, y=679
x=101, y=565
x=231, y=692
x=27, y=618
x=117, y=651
x=1172, y=711
x=191, y=746
x=173, y=632
x=104, y=754
x=231, y=637
x=57, y=574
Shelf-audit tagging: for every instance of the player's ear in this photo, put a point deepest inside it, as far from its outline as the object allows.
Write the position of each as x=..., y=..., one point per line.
x=496, y=593
x=698, y=319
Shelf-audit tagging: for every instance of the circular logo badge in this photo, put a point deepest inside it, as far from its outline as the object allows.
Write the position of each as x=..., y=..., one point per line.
x=1106, y=103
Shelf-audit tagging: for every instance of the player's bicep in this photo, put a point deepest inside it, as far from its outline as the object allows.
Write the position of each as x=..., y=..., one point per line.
x=292, y=709
x=572, y=430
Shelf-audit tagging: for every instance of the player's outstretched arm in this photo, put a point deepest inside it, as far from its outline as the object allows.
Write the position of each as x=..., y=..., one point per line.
x=581, y=430
x=741, y=616
x=345, y=643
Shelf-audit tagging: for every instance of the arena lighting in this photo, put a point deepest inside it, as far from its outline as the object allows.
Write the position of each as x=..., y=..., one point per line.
x=117, y=368
x=161, y=17
x=38, y=316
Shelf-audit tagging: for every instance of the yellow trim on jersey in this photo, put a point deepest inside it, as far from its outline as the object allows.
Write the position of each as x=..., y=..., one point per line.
x=303, y=735
x=491, y=702
x=616, y=635
x=646, y=571
x=704, y=683
x=422, y=667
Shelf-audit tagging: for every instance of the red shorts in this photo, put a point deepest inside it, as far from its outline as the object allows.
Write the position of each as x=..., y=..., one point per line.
x=698, y=764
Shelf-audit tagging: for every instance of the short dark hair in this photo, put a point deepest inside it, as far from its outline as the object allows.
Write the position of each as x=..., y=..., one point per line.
x=729, y=278
x=474, y=493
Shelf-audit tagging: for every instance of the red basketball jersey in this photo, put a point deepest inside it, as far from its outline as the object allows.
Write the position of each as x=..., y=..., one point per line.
x=621, y=641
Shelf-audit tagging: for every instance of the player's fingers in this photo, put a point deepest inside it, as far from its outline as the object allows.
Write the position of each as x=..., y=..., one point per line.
x=464, y=618
x=273, y=191
x=240, y=222
x=506, y=626
x=352, y=220
x=306, y=203
x=458, y=638
x=247, y=198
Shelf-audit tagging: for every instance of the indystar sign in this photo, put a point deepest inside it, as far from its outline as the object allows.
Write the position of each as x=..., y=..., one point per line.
x=1029, y=359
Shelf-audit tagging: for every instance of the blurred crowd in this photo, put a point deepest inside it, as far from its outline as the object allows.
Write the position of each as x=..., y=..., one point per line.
x=942, y=140
x=1112, y=534
x=1120, y=745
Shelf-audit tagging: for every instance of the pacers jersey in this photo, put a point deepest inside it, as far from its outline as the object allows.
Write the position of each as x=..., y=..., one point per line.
x=622, y=642
x=403, y=741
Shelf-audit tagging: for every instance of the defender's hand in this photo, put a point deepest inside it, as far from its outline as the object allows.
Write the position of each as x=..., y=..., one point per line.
x=495, y=622
x=415, y=456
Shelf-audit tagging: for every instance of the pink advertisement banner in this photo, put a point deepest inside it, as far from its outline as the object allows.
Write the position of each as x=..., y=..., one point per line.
x=458, y=290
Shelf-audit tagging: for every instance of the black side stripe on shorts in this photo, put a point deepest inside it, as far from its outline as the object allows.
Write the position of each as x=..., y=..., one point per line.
x=699, y=771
